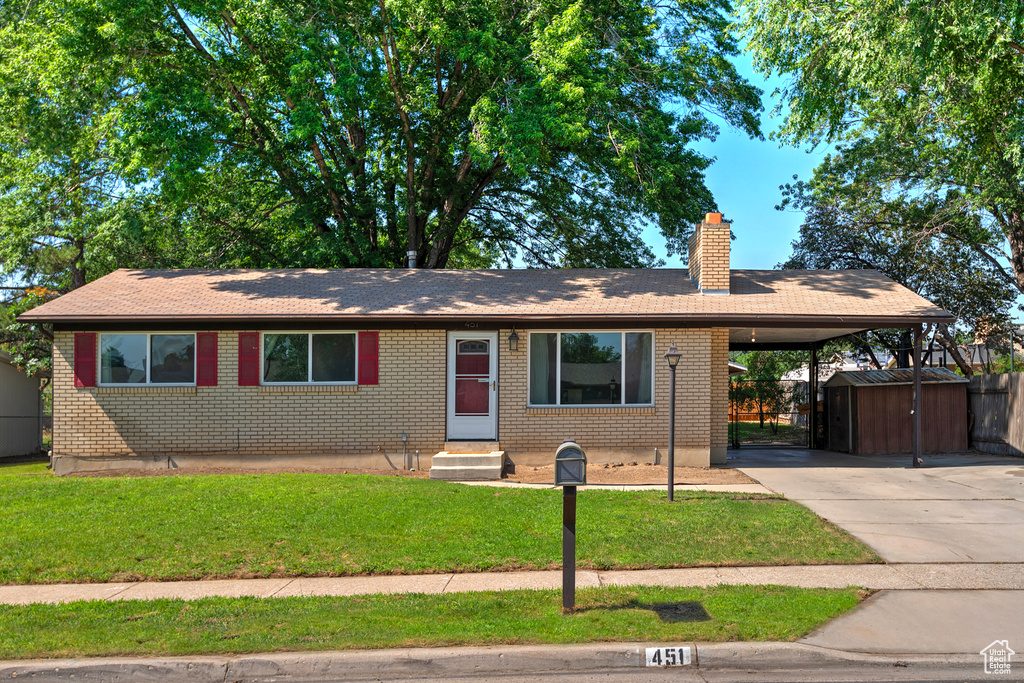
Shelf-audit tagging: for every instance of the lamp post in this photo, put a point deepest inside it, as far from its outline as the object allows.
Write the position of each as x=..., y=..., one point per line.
x=672, y=357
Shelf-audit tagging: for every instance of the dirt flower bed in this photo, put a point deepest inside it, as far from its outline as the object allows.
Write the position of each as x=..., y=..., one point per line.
x=597, y=473
x=418, y=474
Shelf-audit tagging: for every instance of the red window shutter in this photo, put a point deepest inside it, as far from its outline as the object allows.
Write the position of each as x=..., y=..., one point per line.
x=248, y=359
x=85, y=359
x=206, y=359
x=369, y=372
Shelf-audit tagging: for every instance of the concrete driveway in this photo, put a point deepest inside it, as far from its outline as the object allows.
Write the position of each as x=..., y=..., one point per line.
x=957, y=508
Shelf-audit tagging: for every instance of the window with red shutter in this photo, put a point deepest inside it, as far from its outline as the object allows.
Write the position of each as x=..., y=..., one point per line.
x=85, y=359
x=206, y=359
x=248, y=359
x=369, y=372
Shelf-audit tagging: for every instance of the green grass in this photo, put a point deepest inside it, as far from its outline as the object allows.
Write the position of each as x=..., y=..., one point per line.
x=11, y=469
x=752, y=431
x=230, y=625
x=64, y=529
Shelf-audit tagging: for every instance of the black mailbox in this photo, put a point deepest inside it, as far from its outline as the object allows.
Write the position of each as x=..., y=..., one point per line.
x=570, y=465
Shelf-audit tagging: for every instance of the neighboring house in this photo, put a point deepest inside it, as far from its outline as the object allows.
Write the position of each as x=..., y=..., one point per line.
x=353, y=367
x=21, y=409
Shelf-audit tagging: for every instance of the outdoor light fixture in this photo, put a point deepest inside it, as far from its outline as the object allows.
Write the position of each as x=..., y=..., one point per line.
x=513, y=341
x=672, y=357
x=752, y=335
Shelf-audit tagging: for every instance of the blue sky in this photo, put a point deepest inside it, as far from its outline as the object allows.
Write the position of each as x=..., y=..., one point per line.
x=745, y=179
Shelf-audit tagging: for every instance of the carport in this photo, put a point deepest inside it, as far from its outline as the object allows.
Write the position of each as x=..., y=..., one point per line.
x=784, y=331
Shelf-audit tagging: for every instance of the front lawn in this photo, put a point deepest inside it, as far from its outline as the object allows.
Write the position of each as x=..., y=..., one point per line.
x=232, y=625
x=12, y=468
x=753, y=432
x=56, y=529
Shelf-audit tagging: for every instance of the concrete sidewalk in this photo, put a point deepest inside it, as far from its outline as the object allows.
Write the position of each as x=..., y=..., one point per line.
x=872, y=576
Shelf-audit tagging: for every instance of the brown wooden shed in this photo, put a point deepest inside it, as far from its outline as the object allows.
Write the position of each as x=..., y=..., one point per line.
x=871, y=411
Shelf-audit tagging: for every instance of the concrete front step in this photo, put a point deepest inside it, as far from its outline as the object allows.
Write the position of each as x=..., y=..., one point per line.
x=471, y=446
x=481, y=466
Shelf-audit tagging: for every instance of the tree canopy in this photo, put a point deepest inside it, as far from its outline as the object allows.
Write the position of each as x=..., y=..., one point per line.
x=347, y=133
x=340, y=133
x=925, y=102
x=848, y=225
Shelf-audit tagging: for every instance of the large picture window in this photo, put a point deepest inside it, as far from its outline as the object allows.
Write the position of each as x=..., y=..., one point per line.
x=309, y=358
x=148, y=359
x=591, y=368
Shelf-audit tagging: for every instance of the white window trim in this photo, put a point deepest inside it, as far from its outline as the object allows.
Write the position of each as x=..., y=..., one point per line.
x=558, y=370
x=149, y=360
x=309, y=359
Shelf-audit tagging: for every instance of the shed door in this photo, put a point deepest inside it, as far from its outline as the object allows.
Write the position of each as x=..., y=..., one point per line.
x=839, y=419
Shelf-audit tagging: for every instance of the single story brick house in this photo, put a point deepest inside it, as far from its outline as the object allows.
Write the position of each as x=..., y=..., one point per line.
x=354, y=367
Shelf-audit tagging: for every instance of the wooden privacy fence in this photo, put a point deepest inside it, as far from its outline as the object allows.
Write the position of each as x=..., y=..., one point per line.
x=997, y=404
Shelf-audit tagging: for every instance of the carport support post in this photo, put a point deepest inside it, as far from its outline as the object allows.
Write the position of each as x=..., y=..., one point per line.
x=918, y=334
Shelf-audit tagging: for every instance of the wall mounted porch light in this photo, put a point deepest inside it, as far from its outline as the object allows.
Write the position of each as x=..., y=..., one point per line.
x=513, y=340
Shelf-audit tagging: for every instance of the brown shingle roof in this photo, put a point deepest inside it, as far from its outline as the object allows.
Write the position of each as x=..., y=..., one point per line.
x=764, y=297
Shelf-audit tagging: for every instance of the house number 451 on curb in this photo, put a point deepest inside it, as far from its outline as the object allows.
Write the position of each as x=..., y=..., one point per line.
x=668, y=656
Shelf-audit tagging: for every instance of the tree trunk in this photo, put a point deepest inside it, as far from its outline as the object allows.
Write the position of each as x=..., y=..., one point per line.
x=946, y=341
x=905, y=354
x=1016, y=239
x=78, y=266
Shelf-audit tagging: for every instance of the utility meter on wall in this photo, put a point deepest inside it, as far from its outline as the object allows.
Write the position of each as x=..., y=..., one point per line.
x=570, y=465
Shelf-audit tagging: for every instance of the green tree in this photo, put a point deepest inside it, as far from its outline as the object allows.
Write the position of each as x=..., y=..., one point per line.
x=29, y=345
x=924, y=99
x=852, y=225
x=331, y=133
x=761, y=386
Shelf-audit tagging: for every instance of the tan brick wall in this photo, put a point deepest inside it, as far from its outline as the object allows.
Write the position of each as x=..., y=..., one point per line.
x=719, y=394
x=151, y=424
x=709, y=256
x=248, y=421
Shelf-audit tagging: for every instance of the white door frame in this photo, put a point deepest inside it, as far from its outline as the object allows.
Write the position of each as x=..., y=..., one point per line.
x=473, y=428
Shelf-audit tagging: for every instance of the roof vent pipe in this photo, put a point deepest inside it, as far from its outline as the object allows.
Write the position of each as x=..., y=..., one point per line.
x=412, y=257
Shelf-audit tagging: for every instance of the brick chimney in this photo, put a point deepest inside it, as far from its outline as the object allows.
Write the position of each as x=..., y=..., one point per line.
x=709, y=255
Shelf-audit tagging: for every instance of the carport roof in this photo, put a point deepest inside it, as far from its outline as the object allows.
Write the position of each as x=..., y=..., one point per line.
x=811, y=305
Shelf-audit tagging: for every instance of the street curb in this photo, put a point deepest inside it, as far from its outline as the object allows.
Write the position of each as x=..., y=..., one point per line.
x=310, y=667
x=782, y=656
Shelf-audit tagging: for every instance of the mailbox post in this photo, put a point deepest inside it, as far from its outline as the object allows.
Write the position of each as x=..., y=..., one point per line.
x=570, y=472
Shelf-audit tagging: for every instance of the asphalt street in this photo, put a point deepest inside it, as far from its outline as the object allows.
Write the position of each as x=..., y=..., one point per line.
x=851, y=674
